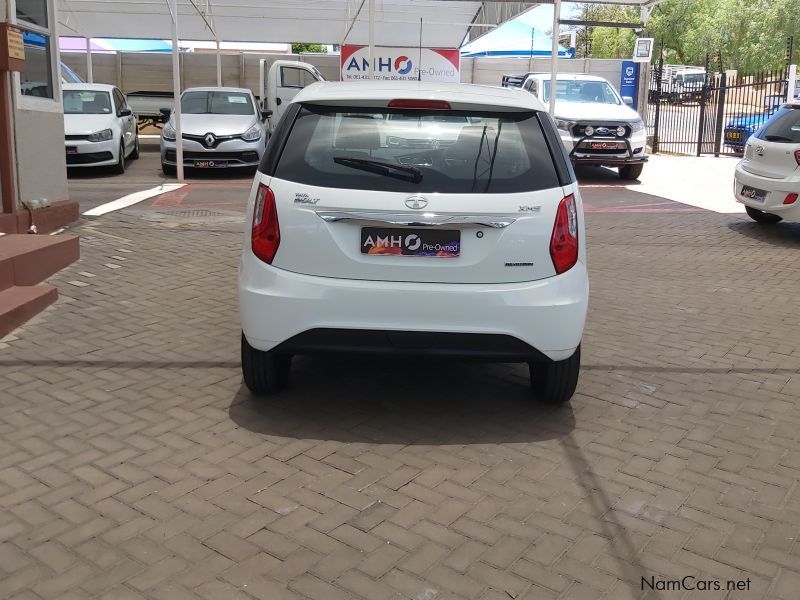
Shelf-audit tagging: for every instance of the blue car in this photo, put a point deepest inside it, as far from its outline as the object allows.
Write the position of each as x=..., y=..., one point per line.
x=739, y=130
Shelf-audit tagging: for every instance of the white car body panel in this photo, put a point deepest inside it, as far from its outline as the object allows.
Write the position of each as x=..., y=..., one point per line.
x=503, y=282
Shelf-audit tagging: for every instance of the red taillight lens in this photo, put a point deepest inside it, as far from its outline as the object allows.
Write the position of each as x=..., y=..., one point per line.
x=266, y=233
x=790, y=199
x=564, y=241
x=420, y=104
x=797, y=156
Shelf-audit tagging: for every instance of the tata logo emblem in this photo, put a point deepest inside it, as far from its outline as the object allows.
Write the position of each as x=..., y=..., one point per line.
x=760, y=150
x=416, y=202
x=209, y=139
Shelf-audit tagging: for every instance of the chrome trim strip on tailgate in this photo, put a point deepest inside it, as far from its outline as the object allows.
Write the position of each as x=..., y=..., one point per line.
x=421, y=220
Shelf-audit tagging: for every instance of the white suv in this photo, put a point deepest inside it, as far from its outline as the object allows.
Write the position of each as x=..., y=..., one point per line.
x=462, y=237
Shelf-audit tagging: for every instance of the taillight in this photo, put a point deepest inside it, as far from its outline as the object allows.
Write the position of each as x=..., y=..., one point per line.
x=797, y=156
x=265, y=236
x=790, y=199
x=420, y=104
x=564, y=241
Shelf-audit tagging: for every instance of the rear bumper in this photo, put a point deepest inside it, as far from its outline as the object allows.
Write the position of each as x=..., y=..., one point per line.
x=517, y=320
x=777, y=190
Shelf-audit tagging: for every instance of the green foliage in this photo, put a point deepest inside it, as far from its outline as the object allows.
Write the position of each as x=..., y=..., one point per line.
x=748, y=35
x=308, y=49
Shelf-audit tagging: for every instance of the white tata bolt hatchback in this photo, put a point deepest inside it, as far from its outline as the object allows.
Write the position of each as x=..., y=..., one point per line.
x=465, y=238
x=768, y=177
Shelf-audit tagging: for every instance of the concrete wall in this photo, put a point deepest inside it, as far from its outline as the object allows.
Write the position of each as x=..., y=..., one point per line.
x=133, y=72
x=41, y=170
x=153, y=72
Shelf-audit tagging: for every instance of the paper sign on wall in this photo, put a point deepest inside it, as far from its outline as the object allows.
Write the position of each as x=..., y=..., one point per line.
x=401, y=64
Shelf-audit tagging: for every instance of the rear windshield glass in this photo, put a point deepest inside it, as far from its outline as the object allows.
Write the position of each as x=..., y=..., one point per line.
x=417, y=151
x=216, y=103
x=784, y=126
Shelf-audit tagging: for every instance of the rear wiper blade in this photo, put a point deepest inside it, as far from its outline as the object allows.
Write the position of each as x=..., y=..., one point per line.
x=407, y=173
x=777, y=138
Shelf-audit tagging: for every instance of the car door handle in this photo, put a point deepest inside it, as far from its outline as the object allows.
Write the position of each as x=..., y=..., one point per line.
x=414, y=220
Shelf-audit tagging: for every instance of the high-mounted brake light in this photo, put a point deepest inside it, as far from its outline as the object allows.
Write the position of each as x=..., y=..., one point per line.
x=420, y=104
x=564, y=241
x=265, y=237
x=790, y=199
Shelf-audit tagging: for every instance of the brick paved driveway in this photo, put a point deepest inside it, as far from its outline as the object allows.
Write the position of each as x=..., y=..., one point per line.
x=133, y=464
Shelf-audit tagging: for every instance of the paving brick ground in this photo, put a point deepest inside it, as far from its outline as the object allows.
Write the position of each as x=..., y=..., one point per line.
x=133, y=464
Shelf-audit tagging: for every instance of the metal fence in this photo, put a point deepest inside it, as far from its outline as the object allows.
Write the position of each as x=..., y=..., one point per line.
x=695, y=112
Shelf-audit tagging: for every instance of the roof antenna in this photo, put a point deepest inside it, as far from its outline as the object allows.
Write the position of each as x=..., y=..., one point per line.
x=419, y=68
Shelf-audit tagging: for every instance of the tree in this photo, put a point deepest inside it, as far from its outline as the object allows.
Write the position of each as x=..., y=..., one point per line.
x=298, y=48
x=747, y=35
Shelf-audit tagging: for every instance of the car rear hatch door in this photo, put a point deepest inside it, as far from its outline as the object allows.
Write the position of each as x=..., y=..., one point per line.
x=770, y=159
x=463, y=196
x=449, y=238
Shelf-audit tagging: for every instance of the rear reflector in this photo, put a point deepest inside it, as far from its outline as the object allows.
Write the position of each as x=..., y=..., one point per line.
x=265, y=236
x=790, y=199
x=564, y=241
x=420, y=104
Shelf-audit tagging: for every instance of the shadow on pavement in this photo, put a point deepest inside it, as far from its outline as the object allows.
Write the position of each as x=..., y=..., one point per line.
x=783, y=234
x=407, y=402
x=601, y=175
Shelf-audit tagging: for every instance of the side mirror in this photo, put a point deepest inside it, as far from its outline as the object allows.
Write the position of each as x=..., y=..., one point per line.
x=165, y=112
x=265, y=114
x=125, y=112
x=627, y=100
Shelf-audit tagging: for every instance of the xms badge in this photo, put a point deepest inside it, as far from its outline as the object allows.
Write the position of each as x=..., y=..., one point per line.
x=304, y=199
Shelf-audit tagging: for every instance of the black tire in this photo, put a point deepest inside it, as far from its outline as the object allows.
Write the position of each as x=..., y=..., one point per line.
x=759, y=216
x=119, y=168
x=135, y=151
x=554, y=382
x=169, y=170
x=631, y=172
x=264, y=373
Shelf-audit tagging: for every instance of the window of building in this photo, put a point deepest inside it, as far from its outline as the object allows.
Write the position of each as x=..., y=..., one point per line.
x=33, y=12
x=36, y=78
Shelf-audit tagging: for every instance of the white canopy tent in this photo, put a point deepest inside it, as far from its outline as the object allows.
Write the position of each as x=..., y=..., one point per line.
x=427, y=23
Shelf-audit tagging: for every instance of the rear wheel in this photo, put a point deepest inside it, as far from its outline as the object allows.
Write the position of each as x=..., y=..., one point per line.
x=119, y=168
x=631, y=172
x=264, y=372
x=554, y=382
x=759, y=216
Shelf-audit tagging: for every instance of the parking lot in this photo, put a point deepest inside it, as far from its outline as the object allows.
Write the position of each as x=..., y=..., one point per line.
x=135, y=464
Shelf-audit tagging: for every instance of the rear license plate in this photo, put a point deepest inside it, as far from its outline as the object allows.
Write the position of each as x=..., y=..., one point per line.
x=734, y=135
x=210, y=164
x=437, y=243
x=606, y=145
x=754, y=193
x=72, y=150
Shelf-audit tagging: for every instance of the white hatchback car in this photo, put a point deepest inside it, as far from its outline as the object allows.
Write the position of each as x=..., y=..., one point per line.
x=768, y=177
x=473, y=248
x=99, y=126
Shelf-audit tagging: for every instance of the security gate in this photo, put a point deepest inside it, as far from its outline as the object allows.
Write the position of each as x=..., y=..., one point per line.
x=694, y=112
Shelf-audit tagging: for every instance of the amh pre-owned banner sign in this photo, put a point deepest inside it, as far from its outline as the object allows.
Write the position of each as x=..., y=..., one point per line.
x=401, y=64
